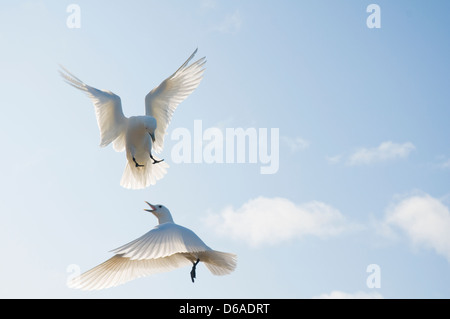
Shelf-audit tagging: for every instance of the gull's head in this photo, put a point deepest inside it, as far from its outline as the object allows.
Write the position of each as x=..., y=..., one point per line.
x=161, y=212
x=149, y=123
x=150, y=126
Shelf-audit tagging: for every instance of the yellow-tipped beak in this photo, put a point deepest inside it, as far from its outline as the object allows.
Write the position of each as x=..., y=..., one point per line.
x=153, y=208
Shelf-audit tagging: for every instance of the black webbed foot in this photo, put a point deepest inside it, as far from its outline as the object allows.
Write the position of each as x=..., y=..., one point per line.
x=159, y=161
x=193, y=269
x=155, y=161
x=137, y=164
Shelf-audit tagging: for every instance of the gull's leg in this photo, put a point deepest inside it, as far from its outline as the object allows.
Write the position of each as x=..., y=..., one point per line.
x=193, y=269
x=131, y=150
x=152, y=135
x=155, y=161
x=137, y=165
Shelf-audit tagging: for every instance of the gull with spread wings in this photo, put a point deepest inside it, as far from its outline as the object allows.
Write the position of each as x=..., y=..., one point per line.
x=139, y=135
x=166, y=247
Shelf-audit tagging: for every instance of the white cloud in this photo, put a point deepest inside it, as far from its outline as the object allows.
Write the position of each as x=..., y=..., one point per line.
x=445, y=164
x=440, y=162
x=386, y=151
x=425, y=220
x=231, y=24
x=295, y=144
x=334, y=159
x=274, y=220
x=344, y=295
x=208, y=4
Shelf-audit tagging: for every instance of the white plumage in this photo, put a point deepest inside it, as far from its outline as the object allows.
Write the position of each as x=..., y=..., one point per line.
x=166, y=247
x=138, y=135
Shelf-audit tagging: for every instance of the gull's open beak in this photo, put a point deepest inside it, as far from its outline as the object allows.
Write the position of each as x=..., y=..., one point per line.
x=153, y=208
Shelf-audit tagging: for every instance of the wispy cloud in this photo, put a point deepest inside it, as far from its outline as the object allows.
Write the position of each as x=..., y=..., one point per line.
x=424, y=220
x=334, y=159
x=336, y=294
x=295, y=144
x=208, y=4
x=445, y=164
x=231, y=24
x=274, y=220
x=384, y=152
x=440, y=162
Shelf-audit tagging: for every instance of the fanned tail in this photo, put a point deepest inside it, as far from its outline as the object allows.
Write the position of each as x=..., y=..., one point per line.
x=141, y=177
x=219, y=263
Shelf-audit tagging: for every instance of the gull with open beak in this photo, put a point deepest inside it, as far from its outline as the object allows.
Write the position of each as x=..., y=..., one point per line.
x=166, y=247
x=139, y=135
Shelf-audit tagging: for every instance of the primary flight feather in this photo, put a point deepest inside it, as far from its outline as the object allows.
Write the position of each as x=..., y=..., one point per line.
x=139, y=135
x=166, y=247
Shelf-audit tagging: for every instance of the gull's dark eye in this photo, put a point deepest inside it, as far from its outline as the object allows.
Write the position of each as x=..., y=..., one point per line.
x=159, y=206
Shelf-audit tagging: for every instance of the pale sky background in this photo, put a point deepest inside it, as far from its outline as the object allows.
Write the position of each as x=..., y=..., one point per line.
x=364, y=162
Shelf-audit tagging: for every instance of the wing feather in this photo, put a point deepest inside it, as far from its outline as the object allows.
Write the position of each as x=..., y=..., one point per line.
x=162, y=241
x=163, y=100
x=108, y=110
x=119, y=270
x=166, y=247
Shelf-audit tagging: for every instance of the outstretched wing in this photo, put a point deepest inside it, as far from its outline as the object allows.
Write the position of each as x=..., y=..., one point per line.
x=118, y=270
x=108, y=110
x=162, y=241
x=166, y=247
x=162, y=101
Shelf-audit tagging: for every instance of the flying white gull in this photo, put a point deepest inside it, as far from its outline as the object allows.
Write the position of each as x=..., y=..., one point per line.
x=138, y=135
x=166, y=247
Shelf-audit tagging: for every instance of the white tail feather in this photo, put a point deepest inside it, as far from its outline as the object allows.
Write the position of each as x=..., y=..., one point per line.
x=219, y=263
x=141, y=177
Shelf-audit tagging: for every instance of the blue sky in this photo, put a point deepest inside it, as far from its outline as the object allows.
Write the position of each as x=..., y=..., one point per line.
x=364, y=156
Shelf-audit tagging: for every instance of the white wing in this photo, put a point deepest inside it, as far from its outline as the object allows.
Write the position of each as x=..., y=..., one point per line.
x=162, y=241
x=166, y=247
x=119, y=270
x=108, y=110
x=162, y=101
